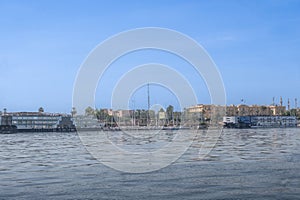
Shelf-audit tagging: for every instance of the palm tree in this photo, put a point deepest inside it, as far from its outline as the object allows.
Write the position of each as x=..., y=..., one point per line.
x=89, y=111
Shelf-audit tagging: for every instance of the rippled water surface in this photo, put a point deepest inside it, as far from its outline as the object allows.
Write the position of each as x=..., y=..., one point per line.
x=252, y=163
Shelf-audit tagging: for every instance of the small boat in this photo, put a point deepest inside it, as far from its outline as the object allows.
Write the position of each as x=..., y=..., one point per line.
x=8, y=129
x=172, y=128
x=203, y=126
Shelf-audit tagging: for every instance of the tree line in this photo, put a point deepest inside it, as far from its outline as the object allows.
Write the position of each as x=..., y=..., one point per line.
x=140, y=117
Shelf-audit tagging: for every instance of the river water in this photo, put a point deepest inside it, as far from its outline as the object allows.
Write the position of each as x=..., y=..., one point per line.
x=244, y=164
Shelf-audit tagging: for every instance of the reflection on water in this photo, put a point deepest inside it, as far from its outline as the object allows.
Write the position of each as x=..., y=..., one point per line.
x=252, y=163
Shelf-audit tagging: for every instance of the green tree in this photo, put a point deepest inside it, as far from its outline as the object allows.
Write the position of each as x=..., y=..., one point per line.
x=170, y=110
x=287, y=113
x=89, y=111
x=143, y=118
x=102, y=115
x=151, y=114
x=293, y=112
x=177, y=117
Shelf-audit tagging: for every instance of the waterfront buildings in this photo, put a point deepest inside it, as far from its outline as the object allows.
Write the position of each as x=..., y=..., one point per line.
x=193, y=116
x=242, y=116
x=238, y=110
x=260, y=110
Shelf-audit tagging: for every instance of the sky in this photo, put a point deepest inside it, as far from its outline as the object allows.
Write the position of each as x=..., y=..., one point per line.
x=254, y=44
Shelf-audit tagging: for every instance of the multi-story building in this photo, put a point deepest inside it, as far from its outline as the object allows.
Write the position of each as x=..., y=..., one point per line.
x=253, y=110
x=201, y=110
x=232, y=110
x=201, y=113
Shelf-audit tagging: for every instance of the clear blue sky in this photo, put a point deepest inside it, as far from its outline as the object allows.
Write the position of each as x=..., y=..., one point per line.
x=255, y=44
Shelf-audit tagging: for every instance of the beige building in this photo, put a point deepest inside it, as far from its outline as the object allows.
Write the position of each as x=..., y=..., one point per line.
x=208, y=113
x=161, y=115
x=205, y=110
x=123, y=113
x=232, y=110
x=278, y=110
x=237, y=110
x=255, y=110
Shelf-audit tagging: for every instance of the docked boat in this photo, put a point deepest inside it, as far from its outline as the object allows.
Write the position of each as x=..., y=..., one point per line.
x=8, y=129
x=259, y=121
x=170, y=128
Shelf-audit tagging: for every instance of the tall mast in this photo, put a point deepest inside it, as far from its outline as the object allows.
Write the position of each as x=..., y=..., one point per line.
x=148, y=92
x=148, y=114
